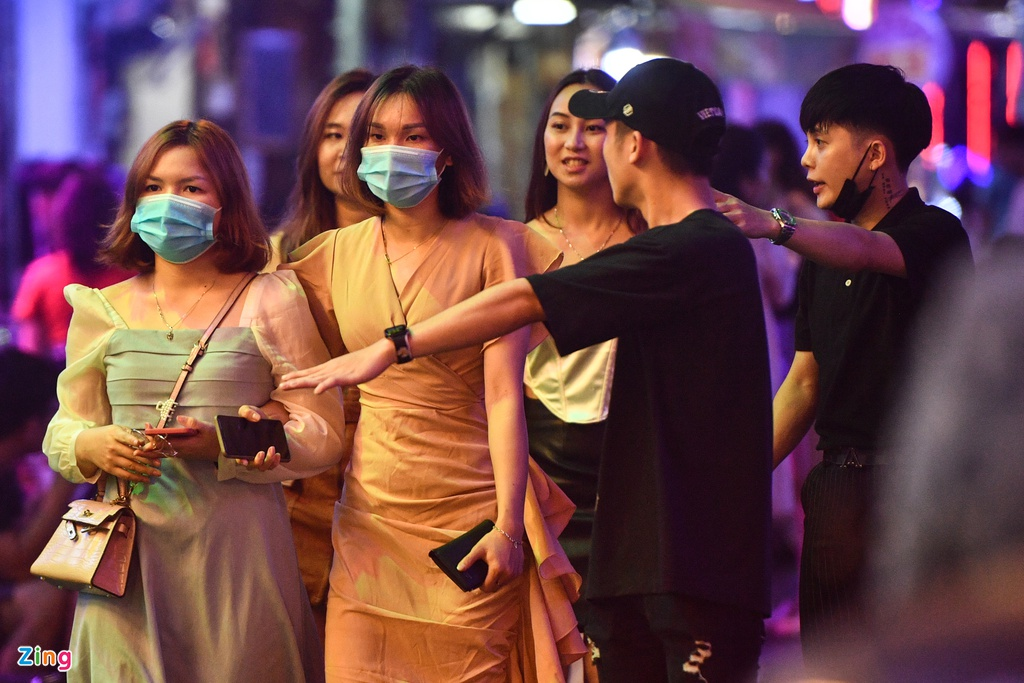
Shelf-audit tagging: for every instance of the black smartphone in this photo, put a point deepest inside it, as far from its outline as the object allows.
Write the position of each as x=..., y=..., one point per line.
x=242, y=438
x=448, y=556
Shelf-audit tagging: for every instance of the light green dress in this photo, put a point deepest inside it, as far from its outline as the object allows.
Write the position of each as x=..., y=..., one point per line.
x=215, y=593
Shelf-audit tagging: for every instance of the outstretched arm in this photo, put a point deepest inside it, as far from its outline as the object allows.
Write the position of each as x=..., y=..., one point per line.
x=494, y=312
x=832, y=243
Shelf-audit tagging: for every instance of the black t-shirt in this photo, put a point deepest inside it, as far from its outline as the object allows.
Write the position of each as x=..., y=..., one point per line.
x=684, y=486
x=857, y=324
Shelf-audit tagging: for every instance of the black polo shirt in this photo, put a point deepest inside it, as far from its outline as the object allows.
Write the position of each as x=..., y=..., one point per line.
x=684, y=485
x=857, y=324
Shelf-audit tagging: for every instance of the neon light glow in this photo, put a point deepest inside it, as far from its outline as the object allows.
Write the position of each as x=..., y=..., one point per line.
x=1014, y=58
x=979, y=109
x=620, y=60
x=830, y=6
x=952, y=168
x=859, y=14
x=543, y=12
x=937, y=103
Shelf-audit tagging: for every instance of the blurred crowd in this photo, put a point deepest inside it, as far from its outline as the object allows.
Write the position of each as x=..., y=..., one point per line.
x=945, y=573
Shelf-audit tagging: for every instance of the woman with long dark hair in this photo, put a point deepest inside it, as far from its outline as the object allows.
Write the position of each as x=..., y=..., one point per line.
x=441, y=441
x=316, y=202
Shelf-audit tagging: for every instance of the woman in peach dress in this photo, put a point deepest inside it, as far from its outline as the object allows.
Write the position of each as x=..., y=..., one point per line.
x=441, y=441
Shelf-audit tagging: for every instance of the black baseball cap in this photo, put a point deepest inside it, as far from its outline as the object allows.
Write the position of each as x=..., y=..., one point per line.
x=669, y=101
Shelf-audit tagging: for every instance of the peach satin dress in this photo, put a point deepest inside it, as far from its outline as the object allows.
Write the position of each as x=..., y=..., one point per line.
x=421, y=474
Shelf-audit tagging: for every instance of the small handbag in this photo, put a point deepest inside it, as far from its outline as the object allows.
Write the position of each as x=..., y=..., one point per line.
x=91, y=550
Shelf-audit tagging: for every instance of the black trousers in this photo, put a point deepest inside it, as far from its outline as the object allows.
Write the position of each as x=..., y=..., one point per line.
x=837, y=504
x=668, y=638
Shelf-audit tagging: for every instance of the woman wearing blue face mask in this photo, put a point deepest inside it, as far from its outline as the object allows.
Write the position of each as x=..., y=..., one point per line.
x=441, y=441
x=210, y=597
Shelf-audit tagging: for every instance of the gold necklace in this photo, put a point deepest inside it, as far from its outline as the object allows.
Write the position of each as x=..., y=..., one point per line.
x=384, y=239
x=558, y=224
x=170, y=327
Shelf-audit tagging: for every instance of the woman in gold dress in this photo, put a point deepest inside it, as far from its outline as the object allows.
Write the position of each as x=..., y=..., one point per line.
x=441, y=442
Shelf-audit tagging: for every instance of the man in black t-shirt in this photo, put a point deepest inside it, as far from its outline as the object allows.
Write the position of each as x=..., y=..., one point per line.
x=679, y=567
x=858, y=294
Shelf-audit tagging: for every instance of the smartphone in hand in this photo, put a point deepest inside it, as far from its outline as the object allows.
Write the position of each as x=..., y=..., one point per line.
x=448, y=556
x=242, y=438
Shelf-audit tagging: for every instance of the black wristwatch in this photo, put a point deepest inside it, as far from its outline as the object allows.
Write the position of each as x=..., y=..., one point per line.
x=787, y=225
x=399, y=336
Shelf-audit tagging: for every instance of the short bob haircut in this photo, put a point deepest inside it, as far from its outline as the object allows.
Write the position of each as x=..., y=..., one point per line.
x=542, y=190
x=312, y=205
x=871, y=98
x=463, y=187
x=242, y=243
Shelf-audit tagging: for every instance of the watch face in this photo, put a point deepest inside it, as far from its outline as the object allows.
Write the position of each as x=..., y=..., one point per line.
x=784, y=216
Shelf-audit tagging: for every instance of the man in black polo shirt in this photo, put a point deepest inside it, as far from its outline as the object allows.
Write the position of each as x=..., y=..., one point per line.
x=679, y=566
x=858, y=294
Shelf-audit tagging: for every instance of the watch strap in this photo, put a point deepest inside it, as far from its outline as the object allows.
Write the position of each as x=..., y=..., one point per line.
x=787, y=226
x=399, y=336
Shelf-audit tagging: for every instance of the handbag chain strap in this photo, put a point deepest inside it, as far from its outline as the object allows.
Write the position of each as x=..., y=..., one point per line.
x=167, y=407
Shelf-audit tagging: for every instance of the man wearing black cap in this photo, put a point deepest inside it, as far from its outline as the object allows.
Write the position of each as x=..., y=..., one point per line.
x=679, y=566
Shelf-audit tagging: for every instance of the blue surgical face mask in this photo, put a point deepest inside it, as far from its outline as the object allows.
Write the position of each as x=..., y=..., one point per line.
x=177, y=229
x=399, y=176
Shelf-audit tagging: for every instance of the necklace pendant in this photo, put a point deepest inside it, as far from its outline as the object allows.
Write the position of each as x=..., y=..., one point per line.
x=170, y=335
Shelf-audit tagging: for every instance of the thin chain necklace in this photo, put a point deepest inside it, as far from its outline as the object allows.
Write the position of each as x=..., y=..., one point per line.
x=558, y=224
x=170, y=327
x=384, y=238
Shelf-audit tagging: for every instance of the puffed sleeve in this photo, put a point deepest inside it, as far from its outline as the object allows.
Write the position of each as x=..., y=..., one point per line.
x=313, y=263
x=82, y=386
x=516, y=251
x=288, y=339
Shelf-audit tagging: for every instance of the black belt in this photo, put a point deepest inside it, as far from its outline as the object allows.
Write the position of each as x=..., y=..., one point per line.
x=851, y=457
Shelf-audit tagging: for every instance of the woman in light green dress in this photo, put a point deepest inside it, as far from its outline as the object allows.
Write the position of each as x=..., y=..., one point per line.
x=214, y=593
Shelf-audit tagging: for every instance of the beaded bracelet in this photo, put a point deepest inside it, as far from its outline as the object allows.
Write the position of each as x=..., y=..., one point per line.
x=514, y=542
